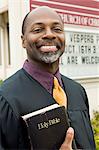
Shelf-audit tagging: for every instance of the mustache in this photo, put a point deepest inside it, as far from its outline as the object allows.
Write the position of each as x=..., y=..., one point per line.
x=48, y=42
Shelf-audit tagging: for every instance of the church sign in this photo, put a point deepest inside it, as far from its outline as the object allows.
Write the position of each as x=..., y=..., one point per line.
x=75, y=12
x=82, y=48
x=81, y=52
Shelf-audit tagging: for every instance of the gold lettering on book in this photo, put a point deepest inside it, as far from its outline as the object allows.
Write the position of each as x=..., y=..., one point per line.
x=48, y=123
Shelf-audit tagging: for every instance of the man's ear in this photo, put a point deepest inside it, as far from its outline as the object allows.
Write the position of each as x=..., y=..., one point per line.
x=23, y=41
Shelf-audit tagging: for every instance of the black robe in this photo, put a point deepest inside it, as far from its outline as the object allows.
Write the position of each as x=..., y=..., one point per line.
x=21, y=94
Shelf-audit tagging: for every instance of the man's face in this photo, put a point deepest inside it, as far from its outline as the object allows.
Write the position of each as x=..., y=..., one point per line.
x=44, y=36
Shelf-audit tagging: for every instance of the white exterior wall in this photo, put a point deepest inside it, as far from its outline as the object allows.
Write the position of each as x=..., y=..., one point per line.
x=15, y=21
x=91, y=86
x=3, y=5
x=17, y=10
x=3, y=8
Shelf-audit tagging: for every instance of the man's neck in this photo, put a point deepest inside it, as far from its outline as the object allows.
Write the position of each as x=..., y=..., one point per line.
x=49, y=67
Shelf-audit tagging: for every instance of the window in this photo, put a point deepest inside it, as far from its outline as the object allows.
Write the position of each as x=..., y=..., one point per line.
x=9, y=58
x=1, y=44
x=5, y=59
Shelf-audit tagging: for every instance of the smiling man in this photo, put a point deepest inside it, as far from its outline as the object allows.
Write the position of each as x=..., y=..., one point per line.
x=44, y=37
x=31, y=88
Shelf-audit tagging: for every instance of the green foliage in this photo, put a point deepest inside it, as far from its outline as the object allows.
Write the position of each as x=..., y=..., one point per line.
x=1, y=81
x=95, y=125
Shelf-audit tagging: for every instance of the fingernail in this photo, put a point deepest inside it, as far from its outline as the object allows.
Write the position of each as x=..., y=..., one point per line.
x=70, y=130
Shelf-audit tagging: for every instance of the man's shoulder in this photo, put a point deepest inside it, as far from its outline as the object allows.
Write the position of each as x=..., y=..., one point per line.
x=12, y=82
x=72, y=85
x=13, y=78
x=70, y=81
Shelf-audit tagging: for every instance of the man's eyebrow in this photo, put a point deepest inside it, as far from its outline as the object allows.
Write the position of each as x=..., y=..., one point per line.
x=57, y=23
x=37, y=23
x=41, y=23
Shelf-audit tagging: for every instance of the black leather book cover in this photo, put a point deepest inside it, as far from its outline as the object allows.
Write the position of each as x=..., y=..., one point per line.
x=47, y=128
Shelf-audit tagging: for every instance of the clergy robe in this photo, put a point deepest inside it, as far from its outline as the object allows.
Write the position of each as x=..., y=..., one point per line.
x=21, y=94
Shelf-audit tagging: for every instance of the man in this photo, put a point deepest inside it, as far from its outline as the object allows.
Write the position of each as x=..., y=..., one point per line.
x=31, y=88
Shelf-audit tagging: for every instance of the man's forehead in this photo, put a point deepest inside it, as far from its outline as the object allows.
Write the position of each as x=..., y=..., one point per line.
x=43, y=12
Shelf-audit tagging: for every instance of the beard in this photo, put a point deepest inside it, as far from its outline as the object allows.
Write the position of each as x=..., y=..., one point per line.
x=49, y=57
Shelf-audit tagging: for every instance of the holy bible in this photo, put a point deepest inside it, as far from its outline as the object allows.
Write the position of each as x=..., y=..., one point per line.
x=47, y=127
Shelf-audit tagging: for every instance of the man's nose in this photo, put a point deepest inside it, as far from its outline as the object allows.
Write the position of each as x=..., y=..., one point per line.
x=49, y=34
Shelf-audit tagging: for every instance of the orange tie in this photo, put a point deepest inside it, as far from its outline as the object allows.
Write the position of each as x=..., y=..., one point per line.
x=59, y=94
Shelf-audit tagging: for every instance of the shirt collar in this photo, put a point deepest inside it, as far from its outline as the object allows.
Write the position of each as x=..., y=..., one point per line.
x=43, y=77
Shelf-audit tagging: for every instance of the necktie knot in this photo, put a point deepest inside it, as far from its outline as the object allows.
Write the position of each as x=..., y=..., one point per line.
x=56, y=83
x=59, y=94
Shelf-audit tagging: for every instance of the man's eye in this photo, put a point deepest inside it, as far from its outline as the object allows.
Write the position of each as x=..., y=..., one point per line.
x=37, y=30
x=58, y=29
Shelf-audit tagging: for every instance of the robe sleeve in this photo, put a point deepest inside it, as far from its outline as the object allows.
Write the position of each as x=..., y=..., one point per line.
x=13, y=134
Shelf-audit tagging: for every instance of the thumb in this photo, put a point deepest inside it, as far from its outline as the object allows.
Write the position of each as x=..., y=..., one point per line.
x=69, y=136
x=67, y=145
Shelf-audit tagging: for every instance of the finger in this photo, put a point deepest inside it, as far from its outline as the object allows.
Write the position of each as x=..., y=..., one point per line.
x=69, y=136
x=67, y=145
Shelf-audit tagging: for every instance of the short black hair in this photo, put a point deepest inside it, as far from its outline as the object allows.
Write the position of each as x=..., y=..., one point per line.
x=23, y=23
